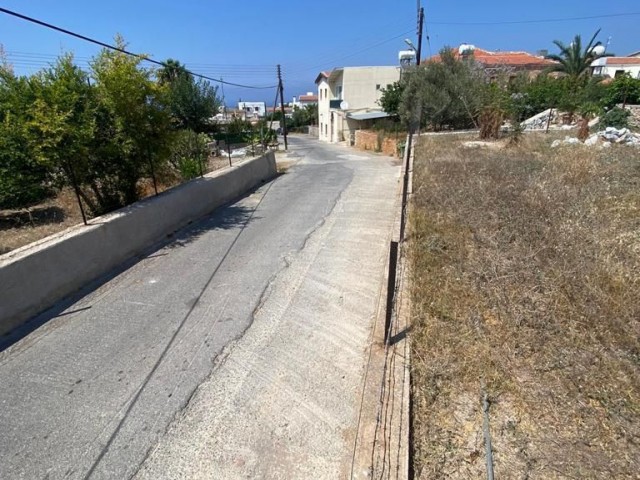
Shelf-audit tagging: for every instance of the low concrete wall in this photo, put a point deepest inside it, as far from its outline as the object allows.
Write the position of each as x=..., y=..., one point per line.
x=314, y=131
x=377, y=142
x=35, y=277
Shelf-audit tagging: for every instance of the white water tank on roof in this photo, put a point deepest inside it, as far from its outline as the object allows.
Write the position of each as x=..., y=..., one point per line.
x=598, y=50
x=466, y=49
x=406, y=55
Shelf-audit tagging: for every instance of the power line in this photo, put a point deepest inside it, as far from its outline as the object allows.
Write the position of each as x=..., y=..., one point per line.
x=355, y=53
x=349, y=44
x=547, y=20
x=199, y=66
x=121, y=50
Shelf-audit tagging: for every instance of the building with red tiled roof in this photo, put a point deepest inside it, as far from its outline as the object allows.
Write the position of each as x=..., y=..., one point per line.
x=497, y=62
x=616, y=66
x=308, y=99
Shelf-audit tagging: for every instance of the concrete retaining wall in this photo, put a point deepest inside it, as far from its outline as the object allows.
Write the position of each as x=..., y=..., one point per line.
x=314, y=131
x=35, y=277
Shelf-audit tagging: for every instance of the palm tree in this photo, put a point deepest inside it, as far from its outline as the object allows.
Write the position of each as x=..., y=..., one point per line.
x=573, y=60
x=171, y=71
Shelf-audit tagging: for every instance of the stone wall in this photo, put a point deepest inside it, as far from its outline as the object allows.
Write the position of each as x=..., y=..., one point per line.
x=634, y=119
x=377, y=142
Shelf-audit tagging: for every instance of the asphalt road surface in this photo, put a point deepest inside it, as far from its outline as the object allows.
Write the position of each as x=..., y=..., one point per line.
x=235, y=350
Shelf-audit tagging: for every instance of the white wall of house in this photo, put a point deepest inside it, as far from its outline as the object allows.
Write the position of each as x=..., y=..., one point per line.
x=253, y=109
x=323, y=109
x=608, y=66
x=360, y=88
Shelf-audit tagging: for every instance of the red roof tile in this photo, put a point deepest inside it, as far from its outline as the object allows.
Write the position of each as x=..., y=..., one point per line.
x=322, y=75
x=308, y=98
x=510, y=59
x=623, y=60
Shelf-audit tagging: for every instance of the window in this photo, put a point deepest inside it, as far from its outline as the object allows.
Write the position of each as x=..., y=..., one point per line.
x=257, y=109
x=326, y=92
x=320, y=92
x=339, y=92
x=377, y=86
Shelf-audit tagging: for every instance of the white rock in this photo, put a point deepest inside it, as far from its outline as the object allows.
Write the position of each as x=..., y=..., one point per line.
x=592, y=140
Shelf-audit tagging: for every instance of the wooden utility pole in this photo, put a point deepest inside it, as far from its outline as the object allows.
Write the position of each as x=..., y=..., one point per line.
x=420, y=28
x=284, y=118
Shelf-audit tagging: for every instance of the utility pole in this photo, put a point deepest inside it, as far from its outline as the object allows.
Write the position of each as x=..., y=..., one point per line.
x=420, y=28
x=226, y=127
x=284, y=119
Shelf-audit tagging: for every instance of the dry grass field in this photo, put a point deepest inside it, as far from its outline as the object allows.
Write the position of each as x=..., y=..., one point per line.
x=526, y=280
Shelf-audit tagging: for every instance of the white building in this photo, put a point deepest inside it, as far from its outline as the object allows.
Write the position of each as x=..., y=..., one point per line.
x=348, y=100
x=616, y=66
x=253, y=110
x=304, y=100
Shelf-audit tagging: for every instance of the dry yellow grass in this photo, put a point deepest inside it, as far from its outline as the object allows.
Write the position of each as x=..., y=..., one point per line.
x=526, y=276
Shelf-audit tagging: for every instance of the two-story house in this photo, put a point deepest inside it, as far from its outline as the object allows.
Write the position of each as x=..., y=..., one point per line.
x=348, y=99
x=252, y=110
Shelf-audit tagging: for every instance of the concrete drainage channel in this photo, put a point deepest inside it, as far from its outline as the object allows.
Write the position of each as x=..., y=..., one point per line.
x=383, y=444
x=35, y=277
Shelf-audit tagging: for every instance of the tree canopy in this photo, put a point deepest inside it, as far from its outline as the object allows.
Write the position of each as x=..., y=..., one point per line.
x=573, y=60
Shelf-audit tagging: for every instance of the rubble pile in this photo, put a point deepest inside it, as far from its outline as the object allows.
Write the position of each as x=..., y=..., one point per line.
x=604, y=138
x=557, y=121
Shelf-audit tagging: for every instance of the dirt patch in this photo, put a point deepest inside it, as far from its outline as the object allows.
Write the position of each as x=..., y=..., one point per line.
x=526, y=268
x=21, y=227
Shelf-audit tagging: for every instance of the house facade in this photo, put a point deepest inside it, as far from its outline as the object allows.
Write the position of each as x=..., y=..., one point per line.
x=615, y=66
x=253, y=110
x=348, y=100
x=304, y=100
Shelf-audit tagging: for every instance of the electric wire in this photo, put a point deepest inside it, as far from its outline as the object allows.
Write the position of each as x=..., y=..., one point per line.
x=547, y=20
x=315, y=67
x=122, y=50
x=353, y=43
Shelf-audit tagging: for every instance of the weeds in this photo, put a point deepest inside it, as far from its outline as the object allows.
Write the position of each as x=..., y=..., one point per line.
x=526, y=272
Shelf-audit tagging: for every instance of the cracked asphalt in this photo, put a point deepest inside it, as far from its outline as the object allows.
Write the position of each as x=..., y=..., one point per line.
x=235, y=350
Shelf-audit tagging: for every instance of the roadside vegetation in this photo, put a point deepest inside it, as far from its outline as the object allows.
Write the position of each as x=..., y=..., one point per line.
x=526, y=270
x=111, y=135
x=104, y=131
x=454, y=93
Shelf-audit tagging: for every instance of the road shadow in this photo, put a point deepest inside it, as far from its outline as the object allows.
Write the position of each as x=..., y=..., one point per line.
x=398, y=337
x=226, y=217
x=230, y=217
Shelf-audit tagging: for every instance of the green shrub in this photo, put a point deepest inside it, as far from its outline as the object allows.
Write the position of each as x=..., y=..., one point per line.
x=189, y=153
x=616, y=117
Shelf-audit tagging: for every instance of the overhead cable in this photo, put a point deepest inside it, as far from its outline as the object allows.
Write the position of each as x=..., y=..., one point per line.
x=547, y=20
x=122, y=50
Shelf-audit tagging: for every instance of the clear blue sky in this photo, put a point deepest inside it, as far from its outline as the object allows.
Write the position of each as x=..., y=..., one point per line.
x=242, y=41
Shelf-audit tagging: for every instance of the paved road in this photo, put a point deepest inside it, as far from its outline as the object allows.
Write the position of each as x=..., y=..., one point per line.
x=235, y=351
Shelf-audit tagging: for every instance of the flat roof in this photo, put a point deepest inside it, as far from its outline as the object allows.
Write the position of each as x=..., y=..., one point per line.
x=367, y=115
